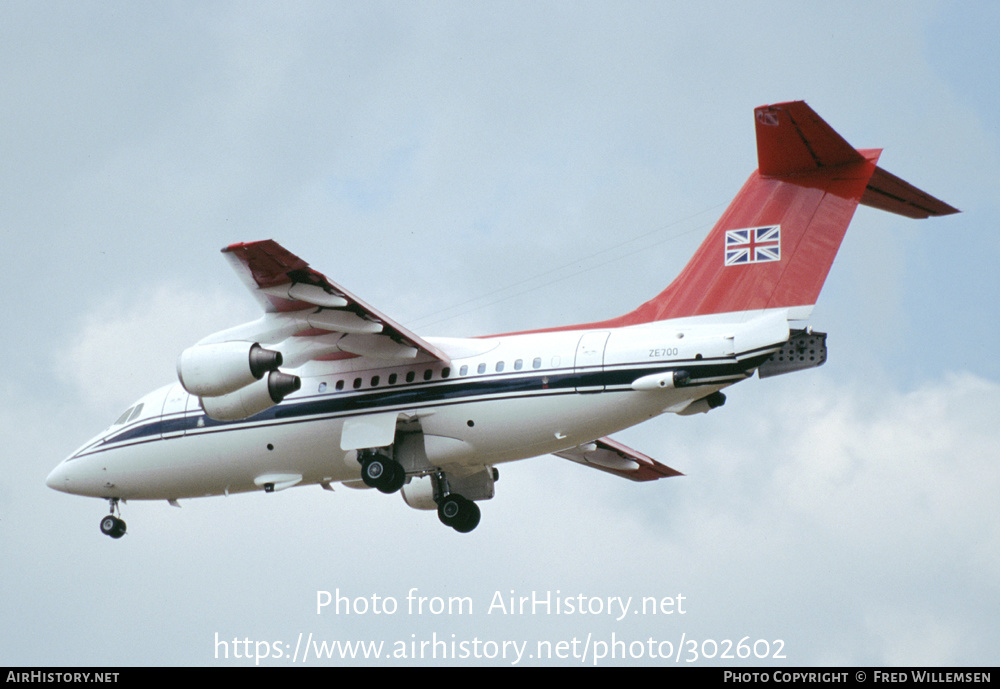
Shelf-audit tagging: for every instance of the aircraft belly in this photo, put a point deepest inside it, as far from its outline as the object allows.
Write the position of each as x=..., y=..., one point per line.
x=509, y=430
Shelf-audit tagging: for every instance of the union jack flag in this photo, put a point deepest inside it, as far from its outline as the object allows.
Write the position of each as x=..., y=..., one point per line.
x=753, y=245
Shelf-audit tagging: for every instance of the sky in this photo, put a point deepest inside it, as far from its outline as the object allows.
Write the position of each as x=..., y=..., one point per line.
x=481, y=167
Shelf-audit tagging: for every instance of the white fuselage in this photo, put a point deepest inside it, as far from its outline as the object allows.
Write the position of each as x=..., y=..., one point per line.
x=499, y=399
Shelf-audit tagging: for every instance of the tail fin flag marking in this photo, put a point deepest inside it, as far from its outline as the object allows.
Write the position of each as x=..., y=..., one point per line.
x=753, y=245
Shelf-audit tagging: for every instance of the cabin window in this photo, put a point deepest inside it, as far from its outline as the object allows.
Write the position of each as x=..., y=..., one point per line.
x=322, y=387
x=357, y=383
x=537, y=363
x=375, y=381
x=428, y=374
x=392, y=378
x=464, y=370
x=340, y=385
x=499, y=366
x=482, y=368
x=518, y=364
x=409, y=376
x=445, y=372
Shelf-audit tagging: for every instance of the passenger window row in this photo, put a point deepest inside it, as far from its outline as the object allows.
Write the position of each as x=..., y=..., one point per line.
x=428, y=374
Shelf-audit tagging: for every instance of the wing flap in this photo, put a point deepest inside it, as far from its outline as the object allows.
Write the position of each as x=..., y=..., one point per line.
x=611, y=456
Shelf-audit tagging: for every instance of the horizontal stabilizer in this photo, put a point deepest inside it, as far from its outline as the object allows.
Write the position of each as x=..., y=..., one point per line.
x=793, y=139
x=889, y=193
x=615, y=458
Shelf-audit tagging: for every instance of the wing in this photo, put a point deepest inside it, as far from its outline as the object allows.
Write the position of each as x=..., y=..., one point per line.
x=613, y=457
x=310, y=316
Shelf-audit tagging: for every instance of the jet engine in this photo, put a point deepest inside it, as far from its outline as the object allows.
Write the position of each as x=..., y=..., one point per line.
x=251, y=399
x=212, y=370
x=234, y=380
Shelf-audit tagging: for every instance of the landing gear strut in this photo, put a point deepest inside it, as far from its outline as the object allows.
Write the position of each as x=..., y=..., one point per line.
x=112, y=525
x=455, y=510
x=381, y=472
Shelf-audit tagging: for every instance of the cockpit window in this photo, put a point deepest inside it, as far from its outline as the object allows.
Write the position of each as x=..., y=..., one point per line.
x=130, y=414
x=134, y=415
x=124, y=417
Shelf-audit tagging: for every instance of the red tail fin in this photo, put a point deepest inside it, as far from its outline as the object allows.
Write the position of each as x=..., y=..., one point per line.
x=774, y=245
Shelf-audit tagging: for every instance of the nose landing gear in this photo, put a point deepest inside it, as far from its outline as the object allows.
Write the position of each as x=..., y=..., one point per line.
x=111, y=525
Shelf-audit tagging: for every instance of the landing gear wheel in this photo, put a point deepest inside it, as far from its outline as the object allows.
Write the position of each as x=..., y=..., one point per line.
x=393, y=479
x=112, y=526
x=459, y=513
x=449, y=508
x=471, y=519
x=372, y=470
x=385, y=474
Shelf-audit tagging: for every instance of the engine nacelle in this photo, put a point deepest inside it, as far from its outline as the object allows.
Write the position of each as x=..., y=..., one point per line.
x=251, y=399
x=218, y=369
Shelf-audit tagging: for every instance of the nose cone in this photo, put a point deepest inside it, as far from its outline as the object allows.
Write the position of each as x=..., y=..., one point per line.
x=76, y=476
x=58, y=479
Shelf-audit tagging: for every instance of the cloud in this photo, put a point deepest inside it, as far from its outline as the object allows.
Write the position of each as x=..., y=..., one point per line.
x=127, y=344
x=850, y=509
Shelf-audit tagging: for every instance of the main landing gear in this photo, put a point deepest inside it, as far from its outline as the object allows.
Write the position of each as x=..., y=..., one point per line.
x=454, y=510
x=381, y=472
x=458, y=512
x=111, y=525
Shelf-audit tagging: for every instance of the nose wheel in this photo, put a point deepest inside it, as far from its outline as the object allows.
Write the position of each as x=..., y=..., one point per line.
x=111, y=525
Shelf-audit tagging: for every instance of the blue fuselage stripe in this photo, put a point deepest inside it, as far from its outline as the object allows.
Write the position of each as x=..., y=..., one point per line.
x=516, y=384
